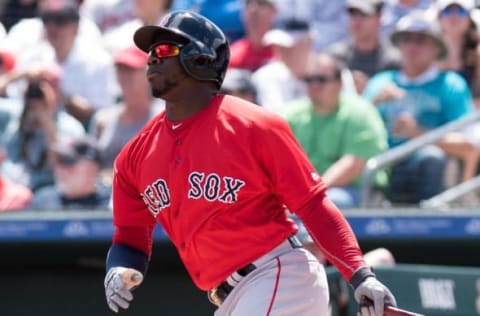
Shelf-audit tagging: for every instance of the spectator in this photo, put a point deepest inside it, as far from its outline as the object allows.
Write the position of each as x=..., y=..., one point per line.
x=365, y=52
x=87, y=82
x=29, y=33
x=13, y=196
x=115, y=125
x=416, y=99
x=278, y=82
x=250, y=52
x=147, y=12
x=335, y=137
x=461, y=36
x=88, y=74
x=41, y=123
x=108, y=14
x=238, y=82
x=460, y=32
x=75, y=166
x=394, y=10
x=327, y=19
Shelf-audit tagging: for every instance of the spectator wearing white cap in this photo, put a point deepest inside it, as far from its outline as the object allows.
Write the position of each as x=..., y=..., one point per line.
x=327, y=19
x=278, y=82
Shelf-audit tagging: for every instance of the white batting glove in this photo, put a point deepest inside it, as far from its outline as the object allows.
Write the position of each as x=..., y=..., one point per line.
x=119, y=283
x=372, y=297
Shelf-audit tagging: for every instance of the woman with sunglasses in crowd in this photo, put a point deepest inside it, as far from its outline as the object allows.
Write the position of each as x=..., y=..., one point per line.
x=460, y=33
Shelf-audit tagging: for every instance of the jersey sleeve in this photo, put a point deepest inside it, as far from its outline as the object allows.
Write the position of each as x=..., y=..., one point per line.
x=332, y=234
x=293, y=177
x=134, y=225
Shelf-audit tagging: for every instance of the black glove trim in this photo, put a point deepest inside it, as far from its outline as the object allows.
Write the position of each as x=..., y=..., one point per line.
x=360, y=275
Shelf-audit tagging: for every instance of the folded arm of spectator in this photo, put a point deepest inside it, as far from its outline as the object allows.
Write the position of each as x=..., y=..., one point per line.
x=344, y=171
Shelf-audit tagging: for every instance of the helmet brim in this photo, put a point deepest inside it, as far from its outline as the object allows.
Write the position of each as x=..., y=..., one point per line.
x=148, y=35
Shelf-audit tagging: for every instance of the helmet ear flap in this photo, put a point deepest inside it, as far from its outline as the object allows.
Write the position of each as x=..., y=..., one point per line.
x=199, y=66
x=202, y=61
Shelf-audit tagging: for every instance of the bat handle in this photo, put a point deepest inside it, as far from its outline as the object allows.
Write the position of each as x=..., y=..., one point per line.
x=389, y=310
x=394, y=311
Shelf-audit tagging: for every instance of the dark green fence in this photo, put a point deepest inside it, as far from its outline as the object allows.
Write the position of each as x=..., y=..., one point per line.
x=427, y=289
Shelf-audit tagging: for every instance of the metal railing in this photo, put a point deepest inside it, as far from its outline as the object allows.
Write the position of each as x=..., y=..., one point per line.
x=443, y=199
x=395, y=154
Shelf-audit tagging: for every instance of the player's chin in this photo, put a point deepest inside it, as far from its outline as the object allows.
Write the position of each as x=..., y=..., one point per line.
x=157, y=93
x=160, y=92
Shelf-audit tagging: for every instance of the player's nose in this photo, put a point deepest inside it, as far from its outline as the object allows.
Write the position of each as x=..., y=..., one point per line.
x=154, y=60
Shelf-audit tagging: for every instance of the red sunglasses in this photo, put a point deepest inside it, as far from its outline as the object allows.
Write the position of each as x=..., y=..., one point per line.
x=164, y=50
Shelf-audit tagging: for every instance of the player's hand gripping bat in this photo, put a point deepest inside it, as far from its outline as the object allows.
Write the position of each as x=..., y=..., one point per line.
x=119, y=283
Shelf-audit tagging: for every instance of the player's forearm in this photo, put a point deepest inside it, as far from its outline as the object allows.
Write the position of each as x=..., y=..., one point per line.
x=125, y=256
x=332, y=234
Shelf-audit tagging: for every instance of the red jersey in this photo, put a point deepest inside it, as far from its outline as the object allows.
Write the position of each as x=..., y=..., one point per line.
x=219, y=183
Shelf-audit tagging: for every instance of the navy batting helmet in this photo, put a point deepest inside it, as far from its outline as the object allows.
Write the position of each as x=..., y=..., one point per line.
x=204, y=52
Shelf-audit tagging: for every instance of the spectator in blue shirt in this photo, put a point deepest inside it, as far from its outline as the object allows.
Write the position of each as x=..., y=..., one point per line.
x=418, y=98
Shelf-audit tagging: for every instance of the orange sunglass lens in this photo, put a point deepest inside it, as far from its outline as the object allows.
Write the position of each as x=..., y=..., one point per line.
x=167, y=50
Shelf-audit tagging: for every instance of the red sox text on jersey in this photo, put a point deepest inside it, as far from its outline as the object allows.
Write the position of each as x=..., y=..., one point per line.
x=210, y=187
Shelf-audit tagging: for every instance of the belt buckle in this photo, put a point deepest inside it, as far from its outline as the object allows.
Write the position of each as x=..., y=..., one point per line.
x=214, y=297
x=219, y=293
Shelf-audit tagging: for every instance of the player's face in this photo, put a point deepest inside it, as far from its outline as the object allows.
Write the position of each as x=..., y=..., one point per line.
x=164, y=74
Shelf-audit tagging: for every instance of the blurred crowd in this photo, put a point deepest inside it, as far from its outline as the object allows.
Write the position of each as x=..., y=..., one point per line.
x=353, y=78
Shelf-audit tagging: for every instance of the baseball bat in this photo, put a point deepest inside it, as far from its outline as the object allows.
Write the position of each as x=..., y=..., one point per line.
x=394, y=311
x=390, y=310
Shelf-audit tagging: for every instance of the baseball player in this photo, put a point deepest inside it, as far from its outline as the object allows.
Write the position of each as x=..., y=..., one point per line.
x=219, y=173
